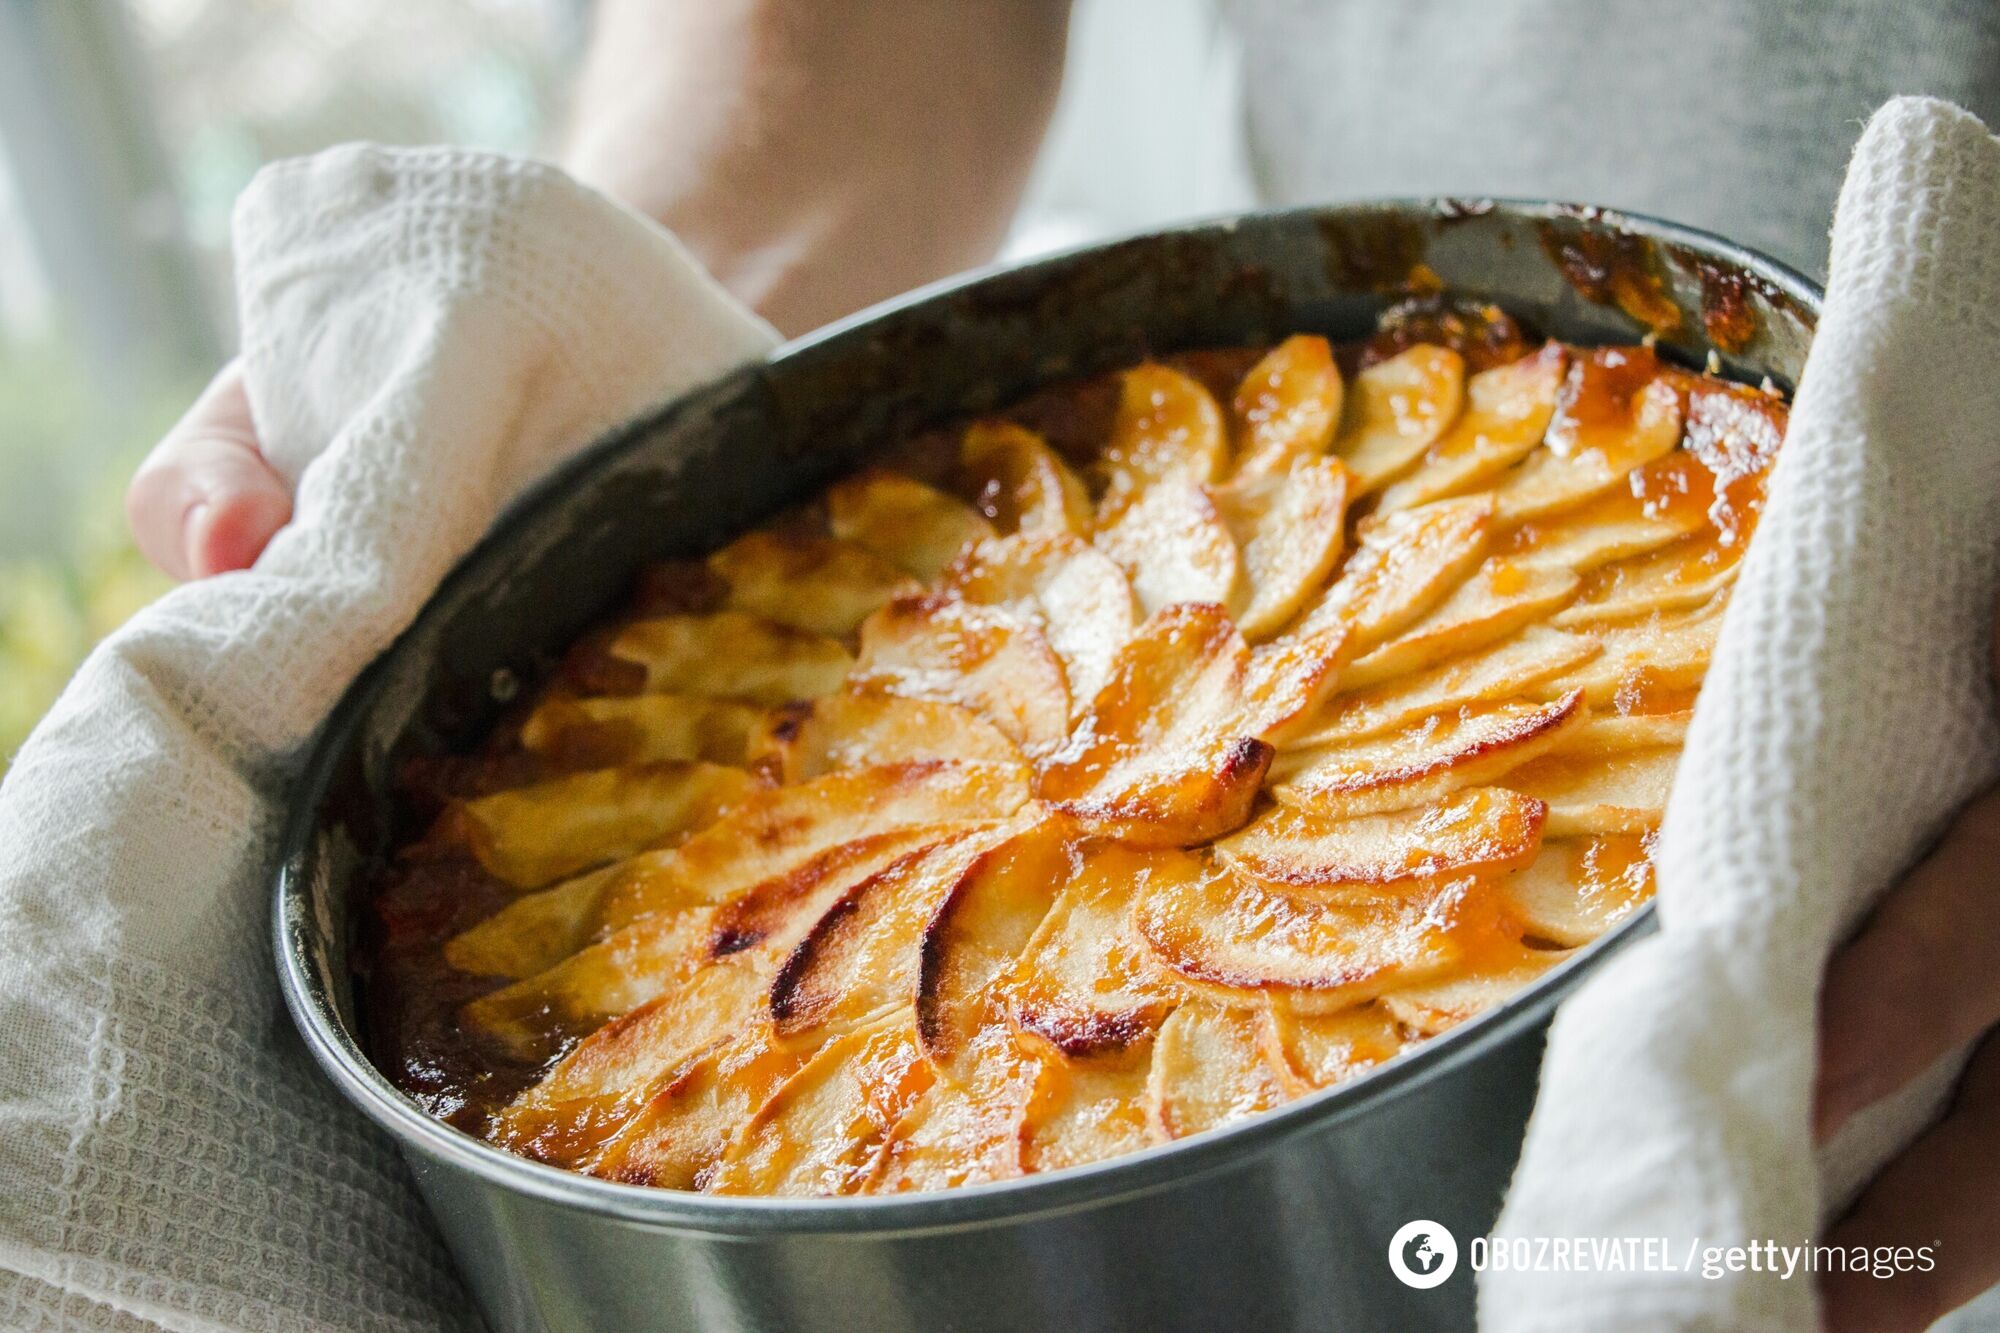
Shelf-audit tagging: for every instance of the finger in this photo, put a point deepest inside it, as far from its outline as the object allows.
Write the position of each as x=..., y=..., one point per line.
x=1943, y=1191
x=205, y=500
x=1919, y=979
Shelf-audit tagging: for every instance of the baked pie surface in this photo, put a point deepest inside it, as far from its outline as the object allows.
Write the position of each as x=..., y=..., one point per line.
x=1177, y=744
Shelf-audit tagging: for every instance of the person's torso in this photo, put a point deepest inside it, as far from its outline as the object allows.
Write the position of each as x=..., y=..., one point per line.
x=1732, y=115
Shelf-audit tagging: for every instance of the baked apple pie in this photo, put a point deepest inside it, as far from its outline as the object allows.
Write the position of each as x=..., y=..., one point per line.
x=1091, y=775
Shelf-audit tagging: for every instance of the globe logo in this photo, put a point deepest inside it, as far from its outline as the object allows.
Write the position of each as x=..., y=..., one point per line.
x=1422, y=1254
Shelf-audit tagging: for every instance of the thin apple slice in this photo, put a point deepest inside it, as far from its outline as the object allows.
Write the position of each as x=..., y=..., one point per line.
x=1396, y=410
x=821, y=1131
x=1587, y=794
x=1237, y=938
x=1086, y=983
x=1075, y=594
x=916, y=527
x=1505, y=671
x=860, y=958
x=850, y=730
x=535, y=931
x=536, y=1016
x=942, y=648
x=1484, y=828
x=1287, y=406
x=531, y=836
x=1682, y=577
x=1507, y=412
x=956, y=1134
x=776, y=831
x=1662, y=502
x=981, y=926
x=676, y=1138
x=1580, y=887
x=1208, y=1070
x=1425, y=764
x=818, y=584
x=1020, y=483
x=730, y=655
x=1606, y=734
x=1616, y=414
x=1288, y=526
x=1174, y=544
x=1286, y=684
x=1160, y=758
x=1501, y=973
x=1643, y=661
x=609, y=1076
x=582, y=985
x=1090, y=1110
x=639, y=729
x=1167, y=428
x=1501, y=598
x=1405, y=564
x=1312, y=1051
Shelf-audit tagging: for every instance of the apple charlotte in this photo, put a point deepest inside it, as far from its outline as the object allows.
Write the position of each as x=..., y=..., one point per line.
x=1176, y=744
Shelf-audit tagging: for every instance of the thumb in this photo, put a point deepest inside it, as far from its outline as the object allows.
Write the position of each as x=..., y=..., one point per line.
x=205, y=501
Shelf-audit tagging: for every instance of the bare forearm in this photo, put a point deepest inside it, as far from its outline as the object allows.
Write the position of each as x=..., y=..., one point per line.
x=818, y=155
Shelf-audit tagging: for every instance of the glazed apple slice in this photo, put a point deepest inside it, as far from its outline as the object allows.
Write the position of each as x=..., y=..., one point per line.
x=1660, y=657
x=1606, y=734
x=1167, y=428
x=1174, y=544
x=1396, y=410
x=1075, y=594
x=820, y=1132
x=778, y=830
x=1425, y=764
x=812, y=583
x=535, y=835
x=1209, y=1069
x=1160, y=757
x=1090, y=1109
x=1482, y=828
x=1616, y=415
x=1286, y=683
x=1085, y=983
x=1502, y=598
x=676, y=1138
x=957, y=1134
x=581, y=985
x=535, y=931
x=1624, y=792
x=1502, y=672
x=860, y=959
x=915, y=527
x=725, y=654
x=1288, y=526
x=1403, y=565
x=1019, y=482
x=942, y=648
x=1501, y=973
x=640, y=729
x=978, y=929
x=1287, y=407
x=1682, y=577
x=850, y=730
x=1578, y=888
x=609, y=1076
x=1664, y=501
x=1311, y=1051
x=1239, y=939
x=1507, y=412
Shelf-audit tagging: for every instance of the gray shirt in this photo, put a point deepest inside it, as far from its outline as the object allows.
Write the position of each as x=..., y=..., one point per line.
x=1732, y=115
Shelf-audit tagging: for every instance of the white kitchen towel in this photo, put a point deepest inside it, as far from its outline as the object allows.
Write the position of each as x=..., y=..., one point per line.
x=1847, y=714
x=424, y=332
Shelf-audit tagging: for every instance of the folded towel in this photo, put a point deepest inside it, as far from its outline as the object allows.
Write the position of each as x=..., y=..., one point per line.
x=424, y=333
x=1847, y=714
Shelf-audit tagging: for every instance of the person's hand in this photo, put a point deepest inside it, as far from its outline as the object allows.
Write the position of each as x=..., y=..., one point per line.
x=205, y=501
x=1920, y=979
